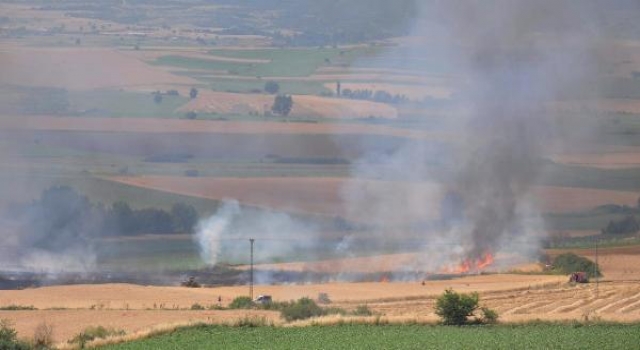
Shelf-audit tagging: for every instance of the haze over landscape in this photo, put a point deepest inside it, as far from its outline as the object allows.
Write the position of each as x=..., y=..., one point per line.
x=378, y=152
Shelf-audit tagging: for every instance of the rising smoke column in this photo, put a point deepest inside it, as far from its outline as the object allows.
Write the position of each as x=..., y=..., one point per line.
x=512, y=60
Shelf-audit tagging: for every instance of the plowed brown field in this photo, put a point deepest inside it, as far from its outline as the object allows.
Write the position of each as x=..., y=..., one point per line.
x=142, y=125
x=80, y=68
x=323, y=195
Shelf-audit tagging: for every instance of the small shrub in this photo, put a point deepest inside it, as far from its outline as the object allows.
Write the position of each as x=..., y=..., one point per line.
x=455, y=308
x=489, y=316
x=43, y=336
x=362, y=310
x=197, y=306
x=242, y=302
x=323, y=298
x=251, y=321
x=334, y=311
x=216, y=307
x=274, y=305
x=17, y=307
x=302, y=309
x=92, y=333
x=191, y=115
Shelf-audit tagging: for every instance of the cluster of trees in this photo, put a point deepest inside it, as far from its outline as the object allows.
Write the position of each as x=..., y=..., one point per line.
x=282, y=105
x=62, y=217
x=627, y=225
x=569, y=262
x=121, y=219
x=377, y=96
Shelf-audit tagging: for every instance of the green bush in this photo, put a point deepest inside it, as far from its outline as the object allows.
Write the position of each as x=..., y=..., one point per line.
x=243, y=302
x=9, y=338
x=302, y=309
x=569, y=262
x=455, y=308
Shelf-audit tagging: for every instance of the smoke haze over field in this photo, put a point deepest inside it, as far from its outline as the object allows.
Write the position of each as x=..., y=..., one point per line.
x=462, y=189
x=514, y=59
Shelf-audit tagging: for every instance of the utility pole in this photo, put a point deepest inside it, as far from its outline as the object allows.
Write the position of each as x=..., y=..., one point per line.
x=251, y=271
x=596, y=269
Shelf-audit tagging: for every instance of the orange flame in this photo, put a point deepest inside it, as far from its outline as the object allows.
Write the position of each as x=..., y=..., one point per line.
x=384, y=279
x=469, y=265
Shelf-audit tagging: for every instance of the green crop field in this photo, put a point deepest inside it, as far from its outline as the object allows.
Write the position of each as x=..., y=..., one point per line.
x=285, y=62
x=397, y=337
x=114, y=103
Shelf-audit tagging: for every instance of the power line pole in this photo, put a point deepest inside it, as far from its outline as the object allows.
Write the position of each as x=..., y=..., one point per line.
x=596, y=269
x=251, y=271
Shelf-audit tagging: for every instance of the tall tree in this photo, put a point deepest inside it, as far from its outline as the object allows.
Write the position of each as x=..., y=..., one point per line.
x=282, y=105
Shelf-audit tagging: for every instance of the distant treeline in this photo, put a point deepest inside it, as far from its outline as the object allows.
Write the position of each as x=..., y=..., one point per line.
x=377, y=96
x=61, y=215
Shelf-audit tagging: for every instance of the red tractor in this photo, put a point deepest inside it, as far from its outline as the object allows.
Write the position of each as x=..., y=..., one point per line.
x=579, y=277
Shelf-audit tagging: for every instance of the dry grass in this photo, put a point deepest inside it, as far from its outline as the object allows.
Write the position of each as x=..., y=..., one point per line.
x=136, y=323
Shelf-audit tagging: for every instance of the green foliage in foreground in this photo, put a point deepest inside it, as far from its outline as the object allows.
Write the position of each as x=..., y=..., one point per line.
x=536, y=336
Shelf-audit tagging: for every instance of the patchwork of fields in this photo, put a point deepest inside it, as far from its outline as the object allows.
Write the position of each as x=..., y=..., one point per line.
x=366, y=170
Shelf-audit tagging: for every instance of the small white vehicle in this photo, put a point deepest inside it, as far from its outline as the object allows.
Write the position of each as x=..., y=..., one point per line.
x=263, y=299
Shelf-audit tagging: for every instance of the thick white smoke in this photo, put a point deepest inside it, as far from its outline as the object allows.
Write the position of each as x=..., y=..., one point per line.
x=212, y=230
x=225, y=235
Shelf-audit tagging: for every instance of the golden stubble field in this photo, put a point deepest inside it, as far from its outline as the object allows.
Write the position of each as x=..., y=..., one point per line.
x=516, y=297
x=303, y=106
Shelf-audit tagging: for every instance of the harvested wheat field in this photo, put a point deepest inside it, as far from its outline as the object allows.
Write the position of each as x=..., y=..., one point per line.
x=79, y=68
x=515, y=297
x=69, y=323
x=615, y=301
x=303, y=106
x=134, y=297
x=326, y=195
